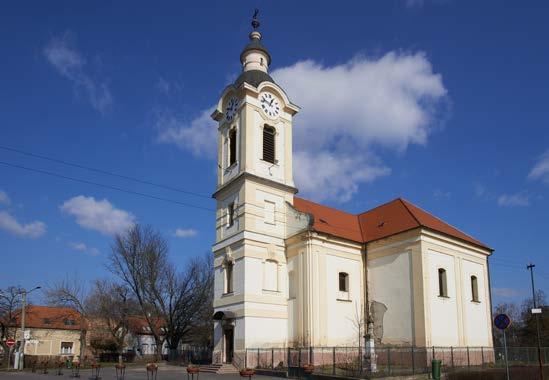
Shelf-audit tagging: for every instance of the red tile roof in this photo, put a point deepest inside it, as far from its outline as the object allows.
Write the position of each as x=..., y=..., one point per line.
x=330, y=220
x=388, y=219
x=139, y=325
x=49, y=317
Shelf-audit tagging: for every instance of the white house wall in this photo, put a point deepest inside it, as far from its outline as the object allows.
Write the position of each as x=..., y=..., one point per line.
x=344, y=313
x=445, y=329
x=456, y=320
x=390, y=280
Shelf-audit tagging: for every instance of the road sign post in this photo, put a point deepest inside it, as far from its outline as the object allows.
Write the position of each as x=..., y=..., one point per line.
x=10, y=343
x=502, y=322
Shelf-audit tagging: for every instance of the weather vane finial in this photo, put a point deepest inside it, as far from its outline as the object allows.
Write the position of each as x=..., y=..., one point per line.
x=255, y=21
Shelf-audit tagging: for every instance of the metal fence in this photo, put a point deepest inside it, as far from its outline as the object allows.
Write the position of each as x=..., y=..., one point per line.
x=384, y=361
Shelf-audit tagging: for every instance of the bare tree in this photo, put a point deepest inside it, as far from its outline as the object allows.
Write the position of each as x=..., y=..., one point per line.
x=71, y=293
x=10, y=304
x=358, y=323
x=112, y=305
x=172, y=302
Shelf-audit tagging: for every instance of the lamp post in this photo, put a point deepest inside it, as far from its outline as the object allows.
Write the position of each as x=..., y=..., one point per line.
x=531, y=267
x=24, y=293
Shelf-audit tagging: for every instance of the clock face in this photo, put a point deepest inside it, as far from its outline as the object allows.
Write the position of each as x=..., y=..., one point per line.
x=232, y=106
x=269, y=104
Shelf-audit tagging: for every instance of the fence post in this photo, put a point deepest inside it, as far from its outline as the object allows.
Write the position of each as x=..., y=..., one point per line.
x=298, y=361
x=272, y=358
x=258, y=358
x=452, y=357
x=413, y=362
x=388, y=360
x=434, y=356
x=482, y=356
x=246, y=358
x=311, y=353
x=468, y=361
x=333, y=361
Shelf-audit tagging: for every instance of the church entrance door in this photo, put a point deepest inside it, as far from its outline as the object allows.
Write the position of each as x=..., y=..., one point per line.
x=229, y=345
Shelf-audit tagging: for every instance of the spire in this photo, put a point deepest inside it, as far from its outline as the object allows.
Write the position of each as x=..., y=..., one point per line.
x=255, y=56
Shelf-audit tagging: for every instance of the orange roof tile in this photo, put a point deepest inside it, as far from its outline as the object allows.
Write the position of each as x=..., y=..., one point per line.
x=330, y=220
x=388, y=219
x=50, y=317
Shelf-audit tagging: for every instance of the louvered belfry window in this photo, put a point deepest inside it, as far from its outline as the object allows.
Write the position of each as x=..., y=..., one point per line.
x=269, y=144
x=232, y=147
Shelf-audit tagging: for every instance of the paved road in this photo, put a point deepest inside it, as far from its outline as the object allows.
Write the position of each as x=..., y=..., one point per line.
x=132, y=373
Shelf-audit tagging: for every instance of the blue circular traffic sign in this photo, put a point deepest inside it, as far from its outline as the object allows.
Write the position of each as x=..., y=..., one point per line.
x=502, y=321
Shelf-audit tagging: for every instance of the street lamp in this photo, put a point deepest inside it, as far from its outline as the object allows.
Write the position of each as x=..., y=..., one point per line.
x=24, y=293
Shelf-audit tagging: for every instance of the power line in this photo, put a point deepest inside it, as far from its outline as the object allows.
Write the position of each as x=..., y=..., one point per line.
x=101, y=171
x=168, y=200
x=105, y=186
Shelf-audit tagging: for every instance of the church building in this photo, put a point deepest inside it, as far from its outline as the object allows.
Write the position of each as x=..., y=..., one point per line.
x=293, y=273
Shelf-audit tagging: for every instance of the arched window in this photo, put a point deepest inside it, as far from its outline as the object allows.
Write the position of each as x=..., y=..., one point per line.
x=230, y=214
x=442, y=285
x=343, y=282
x=269, y=144
x=474, y=289
x=232, y=146
x=229, y=277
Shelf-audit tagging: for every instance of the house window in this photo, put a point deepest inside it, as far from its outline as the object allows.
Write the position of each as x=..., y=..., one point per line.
x=442, y=284
x=66, y=348
x=232, y=146
x=47, y=321
x=230, y=214
x=343, y=282
x=270, y=275
x=270, y=212
x=474, y=289
x=229, y=277
x=269, y=144
x=69, y=322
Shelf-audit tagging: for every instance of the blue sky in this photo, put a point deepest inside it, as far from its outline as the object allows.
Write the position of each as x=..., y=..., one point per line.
x=441, y=102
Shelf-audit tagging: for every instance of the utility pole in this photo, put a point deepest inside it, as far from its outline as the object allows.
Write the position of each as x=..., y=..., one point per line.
x=23, y=305
x=531, y=267
x=22, y=348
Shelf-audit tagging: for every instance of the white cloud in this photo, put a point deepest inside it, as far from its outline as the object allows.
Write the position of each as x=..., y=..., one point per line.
x=185, y=232
x=71, y=64
x=506, y=292
x=4, y=199
x=166, y=87
x=81, y=247
x=511, y=200
x=31, y=230
x=347, y=110
x=78, y=246
x=98, y=215
x=441, y=194
x=480, y=190
x=198, y=136
x=326, y=175
x=540, y=171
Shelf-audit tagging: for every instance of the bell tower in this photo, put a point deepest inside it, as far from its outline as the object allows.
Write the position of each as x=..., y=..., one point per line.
x=254, y=191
